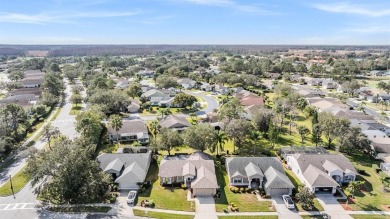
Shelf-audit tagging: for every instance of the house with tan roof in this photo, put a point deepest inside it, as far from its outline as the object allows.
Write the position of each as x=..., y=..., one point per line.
x=131, y=130
x=175, y=122
x=322, y=173
x=195, y=171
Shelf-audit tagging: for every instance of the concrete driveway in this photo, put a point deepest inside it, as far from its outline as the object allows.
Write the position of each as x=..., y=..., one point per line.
x=124, y=210
x=332, y=206
x=283, y=211
x=205, y=208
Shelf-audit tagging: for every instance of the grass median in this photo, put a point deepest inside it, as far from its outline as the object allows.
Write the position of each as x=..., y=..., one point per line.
x=18, y=182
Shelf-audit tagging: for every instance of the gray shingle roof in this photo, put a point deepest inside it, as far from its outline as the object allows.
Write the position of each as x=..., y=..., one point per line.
x=318, y=160
x=130, y=126
x=238, y=164
x=276, y=179
x=317, y=178
x=253, y=170
x=136, y=165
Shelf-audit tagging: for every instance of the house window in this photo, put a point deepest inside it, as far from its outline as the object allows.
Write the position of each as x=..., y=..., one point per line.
x=167, y=181
x=237, y=180
x=180, y=179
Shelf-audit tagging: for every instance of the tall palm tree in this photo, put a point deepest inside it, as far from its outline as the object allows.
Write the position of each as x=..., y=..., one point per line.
x=155, y=128
x=220, y=140
x=116, y=124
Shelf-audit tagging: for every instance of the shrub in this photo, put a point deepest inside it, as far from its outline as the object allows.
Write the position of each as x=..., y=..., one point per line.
x=361, y=172
x=242, y=189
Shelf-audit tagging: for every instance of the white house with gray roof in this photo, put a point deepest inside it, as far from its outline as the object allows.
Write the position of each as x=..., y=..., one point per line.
x=322, y=173
x=127, y=169
x=195, y=171
x=259, y=172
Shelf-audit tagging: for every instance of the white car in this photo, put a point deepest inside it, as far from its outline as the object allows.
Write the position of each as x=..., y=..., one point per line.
x=288, y=202
x=131, y=197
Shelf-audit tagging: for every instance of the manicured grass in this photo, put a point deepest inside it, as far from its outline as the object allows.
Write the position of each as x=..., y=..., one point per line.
x=35, y=127
x=103, y=209
x=246, y=202
x=249, y=217
x=164, y=198
x=159, y=215
x=372, y=197
x=369, y=216
x=18, y=182
x=75, y=109
x=57, y=113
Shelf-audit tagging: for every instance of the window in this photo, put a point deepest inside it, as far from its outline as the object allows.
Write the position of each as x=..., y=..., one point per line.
x=179, y=179
x=167, y=180
x=237, y=180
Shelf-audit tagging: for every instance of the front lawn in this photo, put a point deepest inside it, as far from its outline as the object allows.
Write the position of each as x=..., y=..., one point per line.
x=369, y=216
x=19, y=180
x=160, y=215
x=249, y=217
x=372, y=197
x=75, y=109
x=246, y=202
x=164, y=198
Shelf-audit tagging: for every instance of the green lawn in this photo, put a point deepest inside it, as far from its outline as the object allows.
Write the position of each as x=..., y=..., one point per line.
x=372, y=197
x=103, y=209
x=164, y=198
x=159, y=215
x=246, y=202
x=249, y=217
x=18, y=182
x=369, y=216
x=75, y=109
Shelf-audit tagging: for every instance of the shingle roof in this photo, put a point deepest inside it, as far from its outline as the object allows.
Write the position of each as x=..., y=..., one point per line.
x=205, y=179
x=238, y=164
x=130, y=126
x=132, y=172
x=317, y=178
x=276, y=179
x=318, y=160
x=189, y=169
x=253, y=170
x=152, y=92
x=173, y=121
x=116, y=165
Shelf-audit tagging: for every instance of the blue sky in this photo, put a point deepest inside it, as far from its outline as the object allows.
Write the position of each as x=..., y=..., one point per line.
x=195, y=22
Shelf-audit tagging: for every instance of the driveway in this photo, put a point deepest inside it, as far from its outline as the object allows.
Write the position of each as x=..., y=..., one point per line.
x=211, y=102
x=205, y=208
x=123, y=210
x=283, y=211
x=332, y=206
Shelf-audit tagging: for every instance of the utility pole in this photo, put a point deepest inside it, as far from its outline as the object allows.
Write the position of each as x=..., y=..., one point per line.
x=12, y=188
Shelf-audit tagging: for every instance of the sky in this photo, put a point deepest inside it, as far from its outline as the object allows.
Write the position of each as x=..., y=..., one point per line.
x=314, y=22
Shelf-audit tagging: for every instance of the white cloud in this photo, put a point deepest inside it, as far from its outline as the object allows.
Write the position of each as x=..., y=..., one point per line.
x=348, y=8
x=43, y=18
x=234, y=5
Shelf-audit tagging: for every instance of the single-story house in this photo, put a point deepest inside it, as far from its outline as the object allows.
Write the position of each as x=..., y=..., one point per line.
x=175, y=122
x=206, y=87
x=380, y=141
x=131, y=130
x=329, y=84
x=146, y=73
x=259, y=172
x=31, y=82
x=153, y=93
x=127, y=169
x=322, y=173
x=195, y=171
x=186, y=83
x=377, y=73
x=134, y=106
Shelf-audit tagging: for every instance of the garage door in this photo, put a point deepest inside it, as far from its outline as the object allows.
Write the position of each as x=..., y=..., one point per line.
x=324, y=189
x=279, y=192
x=203, y=192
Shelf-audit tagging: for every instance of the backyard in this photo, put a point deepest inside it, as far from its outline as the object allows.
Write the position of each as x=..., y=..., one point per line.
x=372, y=197
x=246, y=202
x=164, y=198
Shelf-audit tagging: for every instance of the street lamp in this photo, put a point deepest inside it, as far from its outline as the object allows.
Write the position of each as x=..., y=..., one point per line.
x=12, y=188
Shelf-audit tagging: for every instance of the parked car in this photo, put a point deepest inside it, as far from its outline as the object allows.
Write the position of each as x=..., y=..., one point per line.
x=288, y=202
x=131, y=197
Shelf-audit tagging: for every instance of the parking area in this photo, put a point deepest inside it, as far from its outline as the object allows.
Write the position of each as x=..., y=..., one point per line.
x=284, y=212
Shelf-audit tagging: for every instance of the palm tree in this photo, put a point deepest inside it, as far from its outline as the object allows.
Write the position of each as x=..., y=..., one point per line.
x=220, y=140
x=116, y=124
x=155, y=128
